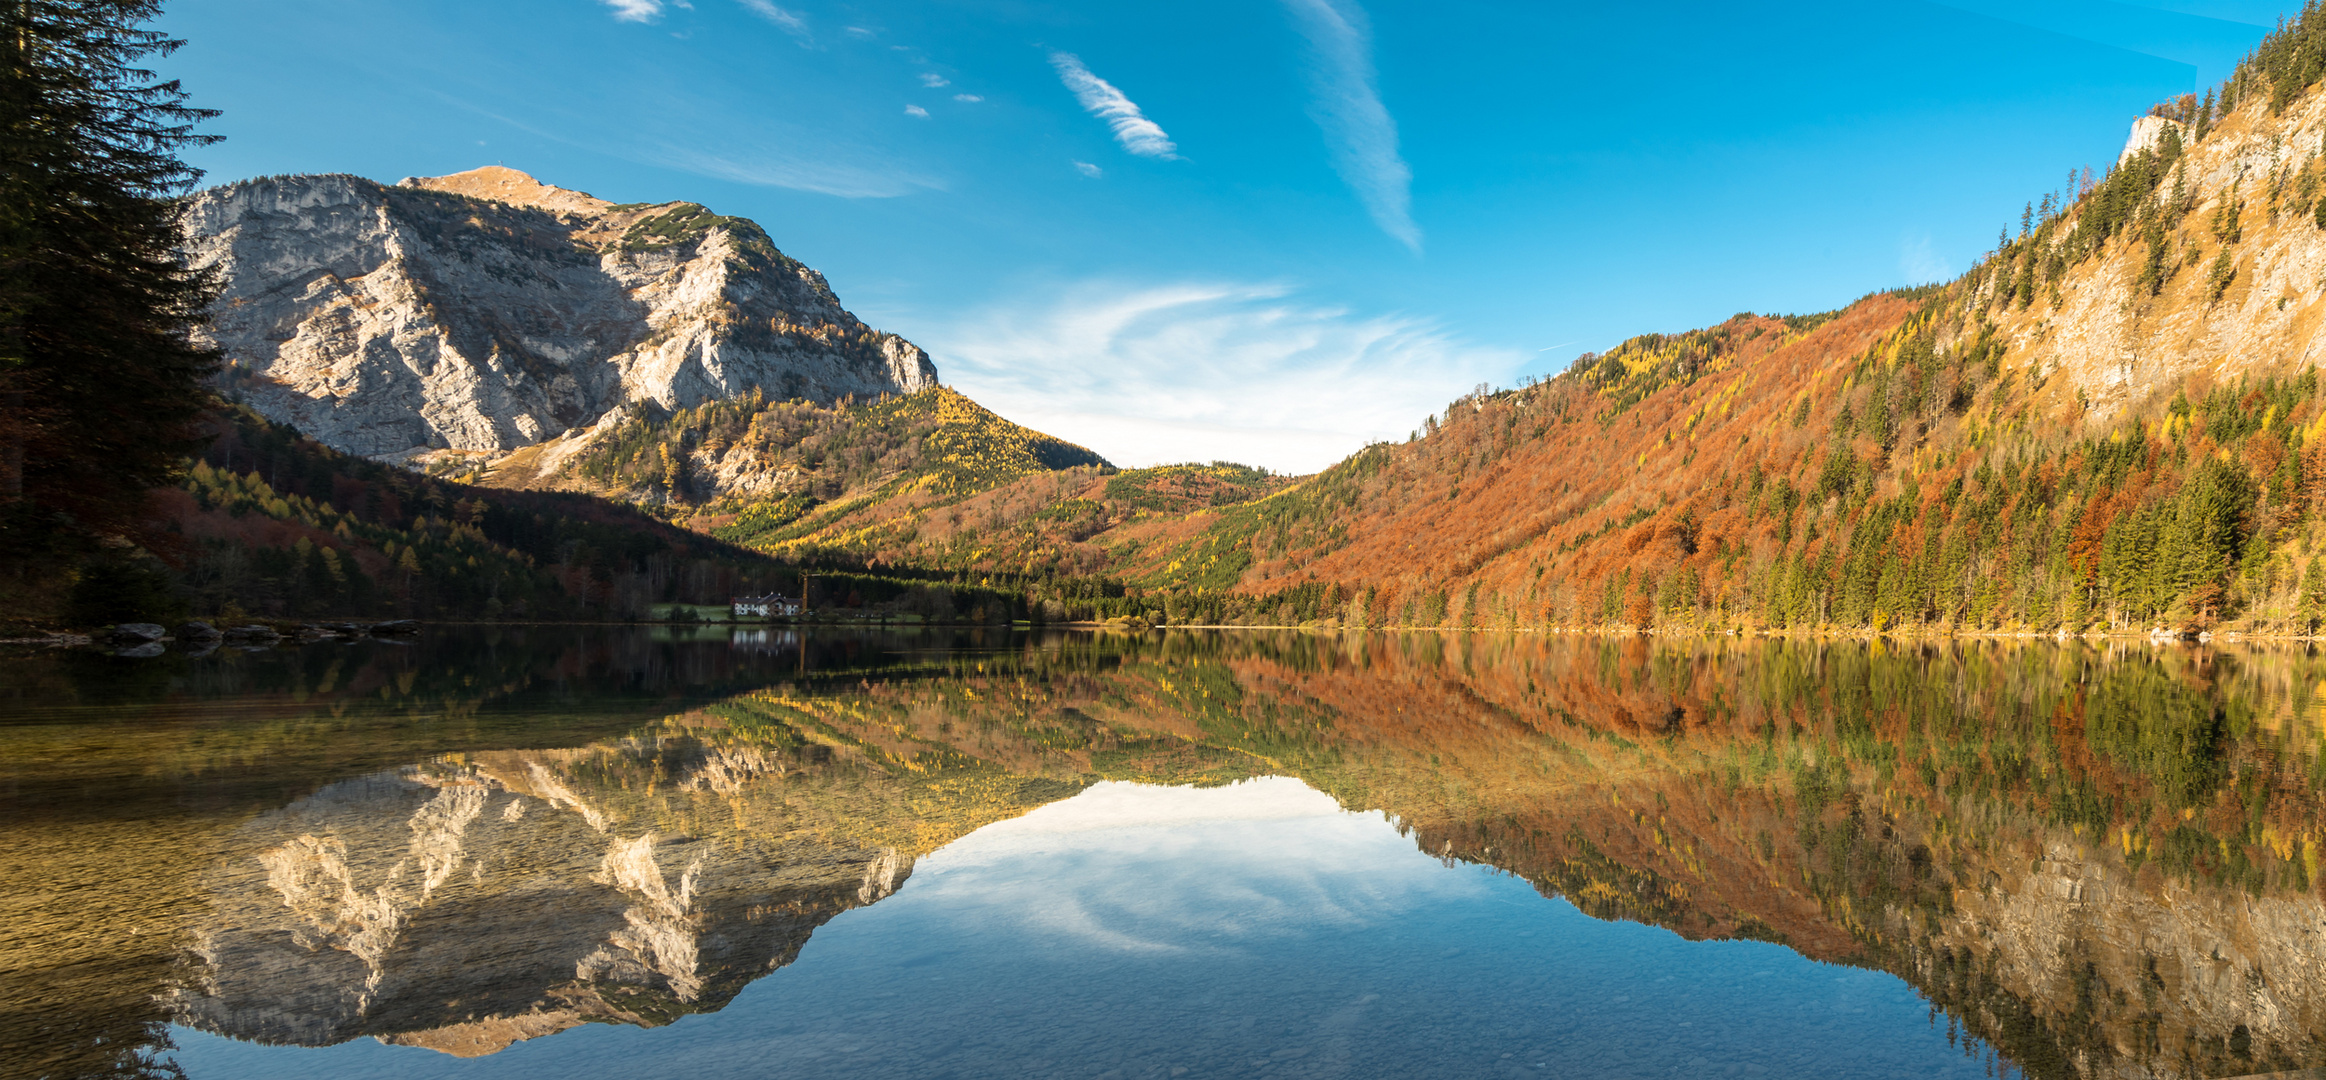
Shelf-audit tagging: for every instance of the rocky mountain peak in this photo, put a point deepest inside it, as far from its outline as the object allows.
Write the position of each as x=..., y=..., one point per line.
x=486, y=311
x=501, y=184
x=2147, y=134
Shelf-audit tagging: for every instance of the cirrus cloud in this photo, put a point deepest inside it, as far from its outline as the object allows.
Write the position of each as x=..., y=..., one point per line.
x=1359, y=132
x=1099, y=98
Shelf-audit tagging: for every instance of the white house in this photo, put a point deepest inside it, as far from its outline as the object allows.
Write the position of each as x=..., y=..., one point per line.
x=764, y=606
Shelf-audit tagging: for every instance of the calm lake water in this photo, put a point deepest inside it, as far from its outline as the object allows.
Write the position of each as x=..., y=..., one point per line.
x=582, y=852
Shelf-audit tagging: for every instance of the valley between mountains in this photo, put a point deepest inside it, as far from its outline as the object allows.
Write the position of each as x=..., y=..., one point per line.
x=2110, y=424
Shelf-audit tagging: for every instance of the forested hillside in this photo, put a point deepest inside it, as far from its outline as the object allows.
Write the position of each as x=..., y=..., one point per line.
x=268, y=523
x=2110, y=424
x=900, y=494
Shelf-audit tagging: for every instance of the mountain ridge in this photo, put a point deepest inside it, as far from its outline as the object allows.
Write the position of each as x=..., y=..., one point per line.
x=436, y=314
x=2110, y=424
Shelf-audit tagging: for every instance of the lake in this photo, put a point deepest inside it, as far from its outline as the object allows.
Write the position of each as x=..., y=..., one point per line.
x=575, y=852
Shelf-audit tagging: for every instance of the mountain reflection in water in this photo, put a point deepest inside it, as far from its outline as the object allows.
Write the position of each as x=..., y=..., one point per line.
x=2092, y=862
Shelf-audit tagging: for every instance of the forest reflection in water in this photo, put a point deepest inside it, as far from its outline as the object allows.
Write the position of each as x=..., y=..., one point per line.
x=2095, y=862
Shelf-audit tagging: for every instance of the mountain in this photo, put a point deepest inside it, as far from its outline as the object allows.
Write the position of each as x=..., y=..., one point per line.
x=485, y=311
x=2111, y=423
x=780, y=460
x=930, y=480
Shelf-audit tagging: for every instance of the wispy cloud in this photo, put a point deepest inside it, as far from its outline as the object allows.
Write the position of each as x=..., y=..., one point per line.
x=932, y=80
x=915, y=110
x=769, y=167
x=689, y=140
x=1358, y=129
x=1920, y=261
x=969, y=98
x=1203, y=370
x=636, y=10
x=1099, y=98
x=1089, y=170
x=789, y=22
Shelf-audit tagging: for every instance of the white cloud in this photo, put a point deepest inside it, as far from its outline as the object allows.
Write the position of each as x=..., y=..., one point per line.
x=932, y=80
x=1921, y=262
x=1359, y=131
x=858, y=31
x=915, y=110
x=788, y=21
x=1202, y=371
x=636, y=10
x=1138, y=134
x=970, y=98
x=1089, y=170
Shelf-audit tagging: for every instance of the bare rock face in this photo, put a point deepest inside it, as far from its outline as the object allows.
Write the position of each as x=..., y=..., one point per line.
x=2148, y=133
x=2103, y=336
x=486, y=311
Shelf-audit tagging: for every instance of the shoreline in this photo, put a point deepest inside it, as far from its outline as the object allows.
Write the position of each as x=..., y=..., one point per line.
x=291, y=635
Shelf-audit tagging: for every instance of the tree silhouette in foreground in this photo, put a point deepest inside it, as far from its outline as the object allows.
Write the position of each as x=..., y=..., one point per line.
x=100, y=386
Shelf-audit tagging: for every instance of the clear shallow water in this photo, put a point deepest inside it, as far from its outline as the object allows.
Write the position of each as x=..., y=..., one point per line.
x=616, y=853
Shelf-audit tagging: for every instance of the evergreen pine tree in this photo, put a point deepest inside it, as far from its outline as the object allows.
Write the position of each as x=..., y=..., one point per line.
x=100, y=388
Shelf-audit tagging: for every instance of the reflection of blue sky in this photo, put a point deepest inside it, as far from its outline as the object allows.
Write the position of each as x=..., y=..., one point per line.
x=1251, y=930
x=1149, y=869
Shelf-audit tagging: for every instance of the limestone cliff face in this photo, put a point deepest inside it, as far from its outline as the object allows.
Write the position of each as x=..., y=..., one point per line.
x=485, y=311
x=2243, y=257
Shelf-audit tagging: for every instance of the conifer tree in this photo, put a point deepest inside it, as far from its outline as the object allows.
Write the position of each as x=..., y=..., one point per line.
x=100, y=388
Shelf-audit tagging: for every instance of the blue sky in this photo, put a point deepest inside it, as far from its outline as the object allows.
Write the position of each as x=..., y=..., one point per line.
x=1267, y=231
